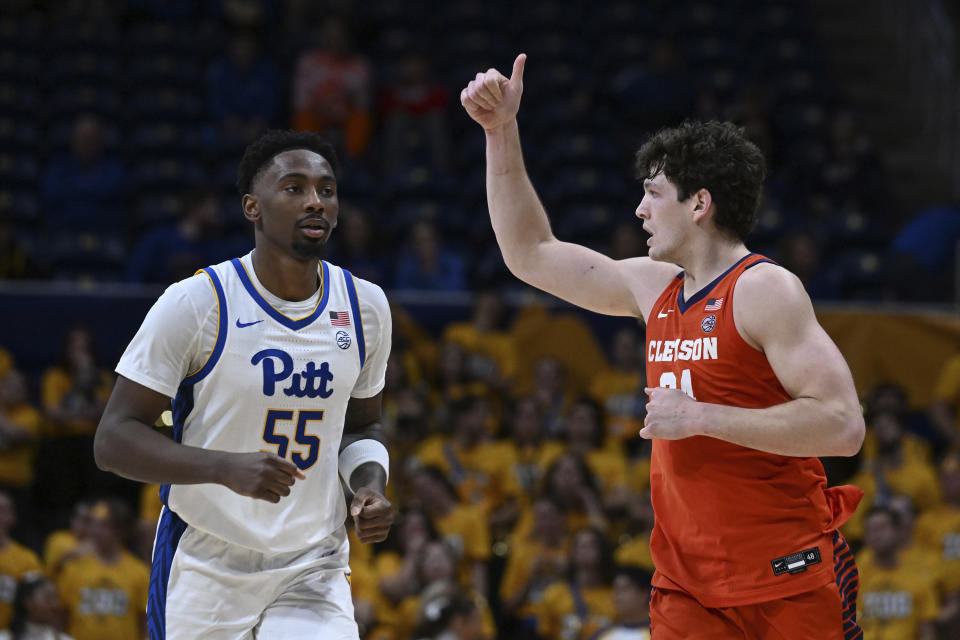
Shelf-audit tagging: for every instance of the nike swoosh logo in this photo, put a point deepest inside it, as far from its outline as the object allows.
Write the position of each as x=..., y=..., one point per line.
x=241, y=325
x=660, y=314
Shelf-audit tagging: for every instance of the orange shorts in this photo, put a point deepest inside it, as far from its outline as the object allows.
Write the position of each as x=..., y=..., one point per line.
x=827, y=613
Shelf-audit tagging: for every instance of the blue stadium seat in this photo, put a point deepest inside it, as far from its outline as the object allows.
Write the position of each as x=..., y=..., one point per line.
x=168, y=104
x=155, y=173
x=18, y=169
x=18, y=134
x=18, y=99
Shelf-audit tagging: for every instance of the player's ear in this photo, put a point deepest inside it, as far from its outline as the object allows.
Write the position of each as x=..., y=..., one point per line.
x=701, y=204
x=251, y=208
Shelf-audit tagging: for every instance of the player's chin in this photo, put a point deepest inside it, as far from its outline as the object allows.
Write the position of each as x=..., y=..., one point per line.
x=305, y=248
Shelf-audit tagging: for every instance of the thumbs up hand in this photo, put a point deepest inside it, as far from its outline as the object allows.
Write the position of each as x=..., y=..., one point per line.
x=491, y=99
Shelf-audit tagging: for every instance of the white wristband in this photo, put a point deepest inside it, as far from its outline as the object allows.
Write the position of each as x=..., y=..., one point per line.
x=360, y=452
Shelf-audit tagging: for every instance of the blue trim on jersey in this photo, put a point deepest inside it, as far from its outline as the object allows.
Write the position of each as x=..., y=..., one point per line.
x=700, y=295
x=848, y=583
x=169, y=532
x=223, y=325
x=182, y=406
x=357, y=319
x=286, y=321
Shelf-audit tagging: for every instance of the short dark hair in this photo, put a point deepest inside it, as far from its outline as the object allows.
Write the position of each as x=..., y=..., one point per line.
x=895, y=518
x=638, y=576
x=715, y=156
x=261, y=151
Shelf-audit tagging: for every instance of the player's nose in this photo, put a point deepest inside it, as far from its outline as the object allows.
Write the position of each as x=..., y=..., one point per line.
x=312, y=202
x=641, y=212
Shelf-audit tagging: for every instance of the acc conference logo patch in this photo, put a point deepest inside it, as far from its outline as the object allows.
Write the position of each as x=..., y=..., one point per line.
x=343, y=339
x=708, y=323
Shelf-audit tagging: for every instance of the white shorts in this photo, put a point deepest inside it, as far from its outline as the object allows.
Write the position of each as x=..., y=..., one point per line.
x=204, y=587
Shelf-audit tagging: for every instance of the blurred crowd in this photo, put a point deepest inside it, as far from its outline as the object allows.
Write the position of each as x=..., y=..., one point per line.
x=521, y=486
x=118, y=159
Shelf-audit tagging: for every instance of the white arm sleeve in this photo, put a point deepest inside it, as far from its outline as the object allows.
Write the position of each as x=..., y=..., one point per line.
x=174, y=338
x=378, y=332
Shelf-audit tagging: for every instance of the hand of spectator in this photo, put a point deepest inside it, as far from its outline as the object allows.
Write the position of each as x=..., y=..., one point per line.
x=261, y=475
x=491, y=99
x=372, y=515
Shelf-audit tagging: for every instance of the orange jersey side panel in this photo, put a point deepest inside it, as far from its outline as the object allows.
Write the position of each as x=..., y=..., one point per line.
x=726, y=513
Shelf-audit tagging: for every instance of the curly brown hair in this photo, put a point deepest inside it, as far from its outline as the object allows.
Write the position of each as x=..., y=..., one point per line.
x=715, y=156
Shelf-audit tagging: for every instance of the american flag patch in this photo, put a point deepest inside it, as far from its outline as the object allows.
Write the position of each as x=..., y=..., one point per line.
x=340, y=318
x=713, y=304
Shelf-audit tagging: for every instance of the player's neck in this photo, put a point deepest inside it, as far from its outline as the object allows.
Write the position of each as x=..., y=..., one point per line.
x=284, y=276
x=706, y=259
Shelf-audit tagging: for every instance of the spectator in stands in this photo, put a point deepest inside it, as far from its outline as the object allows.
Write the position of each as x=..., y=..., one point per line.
x=412, y=106
x=800, y=253
x=242, y=88
x=549, y=390
x=631, y=603
x=65, y=544
x=20, y=426
x=626, y=242
x=168, y=254
x=399, y=578
x=944, y=409
x=425, y=263
x=571, y=485
x=454, y=617
x=891, y=472
x=921, y=434
x=583, y=603
x=331, y=89
x=474, y=464
x=76, y=390
x=84, y=190
x=585, y=439
x=16, y=560
x=536, y=561
x=462, y=526
x=359, y=246
x=105, y=591
x=938, y=531
x=619, y=388
x=895, y=600
x=635, y=550
x=453, y=381
x=38, y=613
x=438, y=574
x=492, y=351
x=532, y=453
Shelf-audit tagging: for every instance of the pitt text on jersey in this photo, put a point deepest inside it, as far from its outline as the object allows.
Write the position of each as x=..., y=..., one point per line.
x=312, y=382
x=673, y=350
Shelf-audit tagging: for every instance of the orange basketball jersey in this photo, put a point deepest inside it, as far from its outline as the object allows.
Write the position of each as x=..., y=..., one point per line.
x=734, y=526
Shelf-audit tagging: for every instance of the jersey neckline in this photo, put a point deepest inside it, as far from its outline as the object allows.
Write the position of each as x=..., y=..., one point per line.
x=702, y=293
x=273, y=312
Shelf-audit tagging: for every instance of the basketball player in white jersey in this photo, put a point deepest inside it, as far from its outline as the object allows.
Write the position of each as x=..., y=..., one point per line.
x=275, y=364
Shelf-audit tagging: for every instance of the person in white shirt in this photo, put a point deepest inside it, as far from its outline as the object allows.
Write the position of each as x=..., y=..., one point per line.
x=275, y=364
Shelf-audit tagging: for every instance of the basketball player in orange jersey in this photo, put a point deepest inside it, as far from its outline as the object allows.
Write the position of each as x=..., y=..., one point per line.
x=749, y=388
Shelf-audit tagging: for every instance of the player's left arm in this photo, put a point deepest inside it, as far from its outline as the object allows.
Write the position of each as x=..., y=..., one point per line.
x=364, y=464
x=773, y=313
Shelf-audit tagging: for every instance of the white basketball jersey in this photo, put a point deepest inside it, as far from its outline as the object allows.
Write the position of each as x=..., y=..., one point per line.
x=271, y=382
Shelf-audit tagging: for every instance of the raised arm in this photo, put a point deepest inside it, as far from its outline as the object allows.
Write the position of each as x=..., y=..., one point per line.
x=575, y=273
x=774, y=314
x=127, y=444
